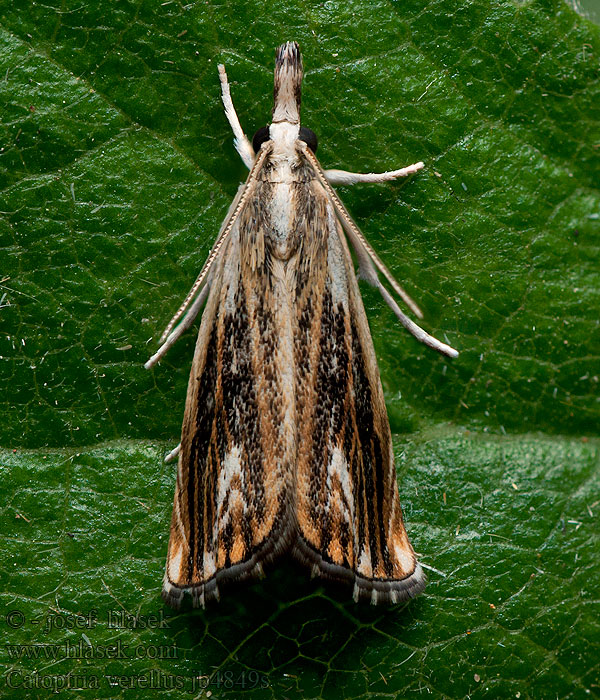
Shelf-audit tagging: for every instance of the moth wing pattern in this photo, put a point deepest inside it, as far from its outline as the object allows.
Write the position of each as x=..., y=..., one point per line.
x=230, y=505
x=350, y=525
x=286, y=444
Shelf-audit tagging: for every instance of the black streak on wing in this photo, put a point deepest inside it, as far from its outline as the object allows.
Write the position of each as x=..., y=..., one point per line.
x=195, y=454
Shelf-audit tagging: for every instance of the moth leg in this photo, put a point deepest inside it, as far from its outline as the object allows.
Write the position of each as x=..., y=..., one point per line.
x=173, y=454
x=239, y=202
x=343, y=177
x=415, y=330
x=206, y=268
x=188, y=319
x=368, y=260
x=240, y=141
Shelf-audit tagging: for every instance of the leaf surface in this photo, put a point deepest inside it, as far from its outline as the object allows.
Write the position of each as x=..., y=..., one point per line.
x=116, y=169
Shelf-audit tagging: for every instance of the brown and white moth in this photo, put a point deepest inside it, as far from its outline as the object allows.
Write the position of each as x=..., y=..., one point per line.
x=286, y=445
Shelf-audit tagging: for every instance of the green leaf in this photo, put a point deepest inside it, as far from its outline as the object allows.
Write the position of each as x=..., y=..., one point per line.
x=509, y=525
x=116, y=169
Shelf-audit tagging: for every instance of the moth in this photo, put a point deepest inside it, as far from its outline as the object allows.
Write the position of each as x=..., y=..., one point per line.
x=286, y=446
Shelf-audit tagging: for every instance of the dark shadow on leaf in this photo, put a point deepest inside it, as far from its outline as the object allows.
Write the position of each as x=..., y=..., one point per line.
x=280, y=622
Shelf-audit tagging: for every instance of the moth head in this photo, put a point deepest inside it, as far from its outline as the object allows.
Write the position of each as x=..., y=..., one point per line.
x=286, y=97
x=306, y=135
x=288, y=83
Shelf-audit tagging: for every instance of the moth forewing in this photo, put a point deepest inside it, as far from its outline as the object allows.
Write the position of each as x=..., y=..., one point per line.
x=348, y=509
x=286, y=445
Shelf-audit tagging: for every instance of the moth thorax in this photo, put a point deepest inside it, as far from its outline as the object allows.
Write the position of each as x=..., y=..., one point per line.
x=284, y=136
x=287, y=85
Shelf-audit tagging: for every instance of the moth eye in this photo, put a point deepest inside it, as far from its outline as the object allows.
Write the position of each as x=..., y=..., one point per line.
x=309, y=137
x=260, y=137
